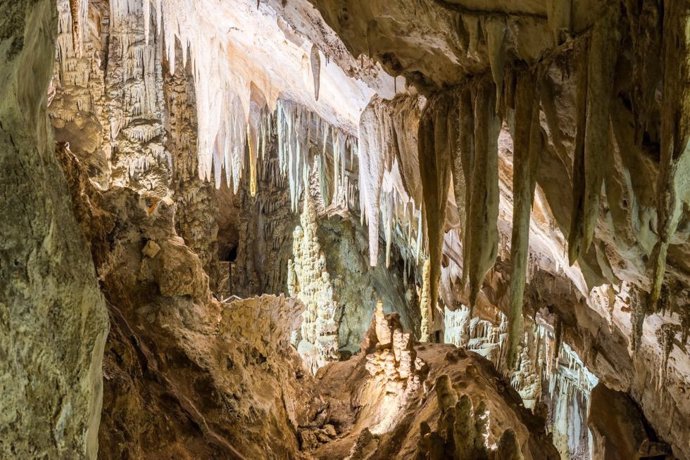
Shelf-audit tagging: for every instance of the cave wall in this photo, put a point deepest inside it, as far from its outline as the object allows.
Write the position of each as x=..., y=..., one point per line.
x=133, y=127
x=53, y=322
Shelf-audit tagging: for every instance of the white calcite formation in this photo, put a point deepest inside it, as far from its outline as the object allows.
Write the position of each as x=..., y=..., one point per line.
x=309, y=281
x=304, y=140
x=394, y=366
x=547, y=373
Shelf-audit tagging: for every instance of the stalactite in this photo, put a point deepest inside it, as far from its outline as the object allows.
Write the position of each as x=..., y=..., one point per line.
x=258, y=115
x=559, y=12
x=315, y=60
x=79, y=15
x=298, y=130
x=388, y=209
x=527, y=141
x=482, y=224
x=438, y=132
x=495, y=31
x=576, y=234
x=666, y=337
x=645, y=25
x=601, y=71
x=637, y=317
x=674, y=163
x=463, y=164
x=371, y=160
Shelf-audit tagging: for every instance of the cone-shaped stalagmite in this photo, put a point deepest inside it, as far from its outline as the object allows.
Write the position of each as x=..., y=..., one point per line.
x=483, y=217
x=508, y=447
x=527, y=141
x=675, y=135
x=437, y=139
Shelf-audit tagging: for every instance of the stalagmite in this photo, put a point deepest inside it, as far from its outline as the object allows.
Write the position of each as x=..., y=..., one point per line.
x=601, y=69
x=576, y=234
x=527, y=140
x=309, y=280
x=425, y=305
x=482, y=224
x=438, y=130
x=462, y=432
x=672, y=184
x=481, y=427
x=315, y=60
x=508, y=447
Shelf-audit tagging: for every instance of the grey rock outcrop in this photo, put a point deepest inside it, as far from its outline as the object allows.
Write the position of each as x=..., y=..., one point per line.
x=53, y=322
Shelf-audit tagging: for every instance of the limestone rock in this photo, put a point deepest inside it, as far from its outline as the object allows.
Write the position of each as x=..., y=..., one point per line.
x=151, y=249
x=53, y=321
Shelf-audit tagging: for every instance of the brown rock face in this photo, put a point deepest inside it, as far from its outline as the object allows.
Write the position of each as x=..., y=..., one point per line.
x=618, y=427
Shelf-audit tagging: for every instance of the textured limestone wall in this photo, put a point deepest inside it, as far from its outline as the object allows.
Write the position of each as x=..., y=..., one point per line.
x=196, y=216
x=130, y=120
x=53, y=322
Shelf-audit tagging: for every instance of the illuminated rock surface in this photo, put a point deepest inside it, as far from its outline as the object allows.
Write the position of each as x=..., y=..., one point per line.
x=264, y=186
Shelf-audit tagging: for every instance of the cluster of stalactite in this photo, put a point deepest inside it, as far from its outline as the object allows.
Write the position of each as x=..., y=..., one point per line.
x=307, y=142
x=387, y=151
x=459, y=129
x=672, y=182
x=458, y=132
x=232, y=112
